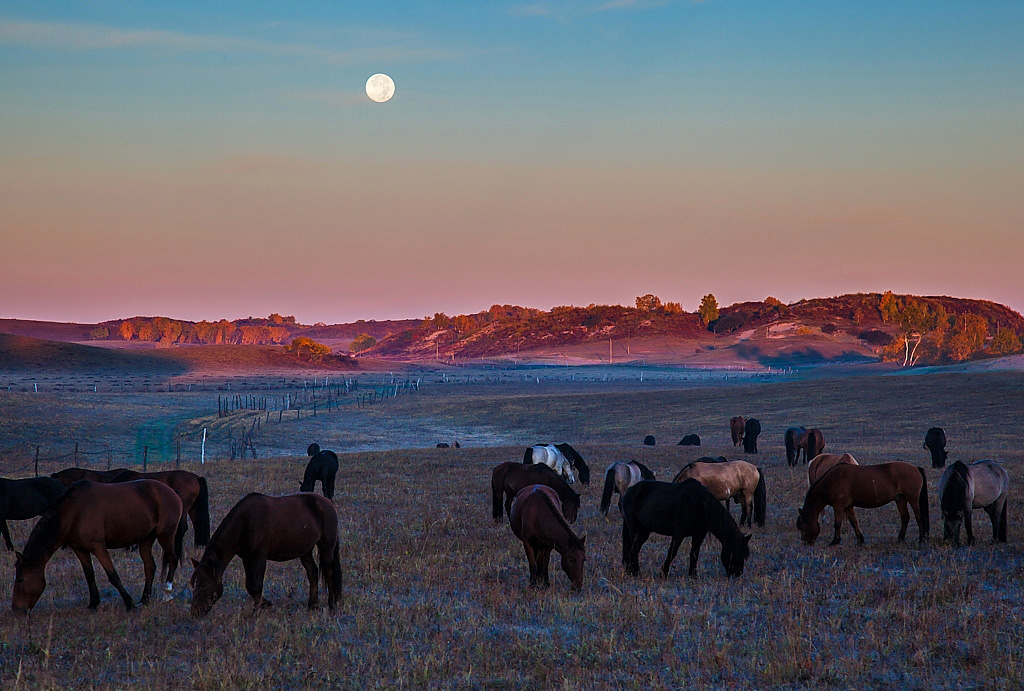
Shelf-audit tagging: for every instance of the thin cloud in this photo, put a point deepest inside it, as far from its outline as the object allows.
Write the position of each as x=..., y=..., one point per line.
x=566, y=9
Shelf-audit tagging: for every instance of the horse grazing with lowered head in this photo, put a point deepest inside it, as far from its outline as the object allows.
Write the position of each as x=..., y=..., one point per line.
x=824, y=462
x=92, y=518
x=980, y=485
x=689, y=440
x=751, y=428
x=738, y=480
x=679, y=510
x=562, y=458
x=865, y=486
x=539, y=523
x=259, y=529
x=935, y=442
x=70, y=476
x=736, y=429
x=620, y=476
x=194, y=495
x=510, y=477
x=24, y=499
x=322, y=466
x=792, y=440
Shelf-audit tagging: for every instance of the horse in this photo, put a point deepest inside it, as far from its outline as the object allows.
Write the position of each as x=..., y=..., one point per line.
x=689, y=440
x=561, y=458
x=813, y=443
x=322, y=466
x=539, y=523
x=260, y=528
x=980, y=485
x=736, y=480
x=92, y=518
x=751, y=428
x=935, y=441
x=736, y=429
x=194, y=495
x=510, y=477
x=824, y=462
x=649, y=440
x=866, y=486
x=679, y=509
x=792, y=439
x=24, y=499
x=70, y=476
x=620, y=476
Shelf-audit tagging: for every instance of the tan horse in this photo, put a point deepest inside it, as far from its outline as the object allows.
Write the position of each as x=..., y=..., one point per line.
x=824, y=462
x=737, y=480
x=869, y=487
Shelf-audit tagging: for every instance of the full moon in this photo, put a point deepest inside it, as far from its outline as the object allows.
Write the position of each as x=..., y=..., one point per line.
x=380, y=87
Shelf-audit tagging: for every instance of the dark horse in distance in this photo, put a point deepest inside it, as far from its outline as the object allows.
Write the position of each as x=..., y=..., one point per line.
x=24, y=499
x=508, y=478
x=935, y=442
x=679, y=509
x=751, y=429
x=792, y=438
x=322, y=466
x=736, y=425
x=539, y=523
x=92, y=518
x=260, y=528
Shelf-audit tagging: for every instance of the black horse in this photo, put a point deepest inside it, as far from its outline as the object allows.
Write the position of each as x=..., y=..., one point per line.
x=792, y=439
x=28, y=498
x=689, y=440
x=751, y=429
x=649, y=440
x=935, y=441
x=322, y=466
x=679, y=509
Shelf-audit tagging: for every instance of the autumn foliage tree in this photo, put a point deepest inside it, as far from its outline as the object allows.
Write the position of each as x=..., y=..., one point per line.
x=648, y=303
x=313, y=350
x=708, y=310
x=362, y=342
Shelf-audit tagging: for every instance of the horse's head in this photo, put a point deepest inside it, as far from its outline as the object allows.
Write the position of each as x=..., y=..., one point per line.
x=573, y=559
x=29, y=584
x=307, y=486
x=313, y=449
x=808, y=526
x=735, y=555
x=207, y=586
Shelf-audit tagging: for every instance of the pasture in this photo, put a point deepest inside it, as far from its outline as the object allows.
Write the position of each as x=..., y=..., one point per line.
x=435, y=593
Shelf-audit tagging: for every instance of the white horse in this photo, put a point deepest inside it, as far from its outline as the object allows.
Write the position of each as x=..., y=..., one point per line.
x=549, y=455
x=620, y=476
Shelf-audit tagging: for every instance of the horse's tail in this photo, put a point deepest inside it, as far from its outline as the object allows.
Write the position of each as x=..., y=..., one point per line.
x=609, y=487
x=1001, y=533
x=336, y=573
x=760, y=499
x=790, y=451
x=528, y=456
x=201, y=515
x=496, y=496
x=922, y=504
x=179, y=537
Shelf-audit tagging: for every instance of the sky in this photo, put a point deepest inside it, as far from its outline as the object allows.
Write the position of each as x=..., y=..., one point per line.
x=220, y=160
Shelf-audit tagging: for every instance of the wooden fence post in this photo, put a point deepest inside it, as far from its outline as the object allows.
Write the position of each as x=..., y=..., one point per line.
x=76, y=453
x=37, y=461
x=145, y=457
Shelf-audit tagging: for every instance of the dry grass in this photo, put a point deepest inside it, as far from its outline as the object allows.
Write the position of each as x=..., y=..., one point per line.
x=436, y=595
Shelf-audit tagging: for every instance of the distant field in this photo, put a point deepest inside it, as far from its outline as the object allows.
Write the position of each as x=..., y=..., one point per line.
x=435, y=594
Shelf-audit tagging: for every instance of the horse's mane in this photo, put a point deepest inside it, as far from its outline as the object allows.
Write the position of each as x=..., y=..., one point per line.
x=561, y=518
x=225, y=523
x=720, y=521
x=645, y=472
x=45, y=534
x=954, y=497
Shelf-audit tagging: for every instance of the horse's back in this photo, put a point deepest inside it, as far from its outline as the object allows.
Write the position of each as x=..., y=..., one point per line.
x=824, y=462
x=280, y=527
x=123, y=513
x=875, y=485
x=532, y=509
x=990, y=480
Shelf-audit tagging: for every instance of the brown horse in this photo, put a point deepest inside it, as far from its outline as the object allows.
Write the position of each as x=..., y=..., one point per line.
x=813, y=443
x=866, y=486
x=190, y=488
x=260, y=528
x=508, y=478
x=737, y=480
x=91, y=518
x=70, y=476
x=539, y=523
x=736, y=429
x=824, y=462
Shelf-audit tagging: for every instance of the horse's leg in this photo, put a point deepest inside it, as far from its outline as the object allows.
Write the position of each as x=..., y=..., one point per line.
x=543, y=560
x=968, y=526
x=901, y=506
x=670, y=557
x=148, y=567
x=631, y=544
x=90, y=576
x=329, y=489
x=103, y=557
x=531, y=560
x=255, y=570
x=169, y=561
x=695, y=543
x=852, y=516
x=313, y=575
x=7, y=536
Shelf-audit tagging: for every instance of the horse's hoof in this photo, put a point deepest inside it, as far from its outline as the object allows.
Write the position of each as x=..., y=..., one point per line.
x=834, y=542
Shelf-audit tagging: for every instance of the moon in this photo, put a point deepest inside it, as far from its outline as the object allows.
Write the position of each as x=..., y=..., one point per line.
x=380, y=88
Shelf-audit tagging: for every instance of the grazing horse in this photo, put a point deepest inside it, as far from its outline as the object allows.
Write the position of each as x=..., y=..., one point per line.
x=824, y=462
x=736, y=480
x=620, y=476
x=510, y=477
x=935, y=441
x=649, y=440
x=561, y=458
x=539, y=523
x=813, y=443
x=793, y=437
x=260, y=528
x=70, y=476
x=751, y=429
x=322, y=466
x=980, y=485
x=736, y=429
x=24, y=499
x=679, y=509
x=689, y=440
x=92, y=518
x=194, y=495
x=866, y=486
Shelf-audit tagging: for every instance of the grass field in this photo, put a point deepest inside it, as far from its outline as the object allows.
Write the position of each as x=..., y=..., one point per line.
x=435, y=594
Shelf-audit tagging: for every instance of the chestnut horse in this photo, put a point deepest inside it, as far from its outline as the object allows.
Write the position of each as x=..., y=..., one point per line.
x=813, y=443
x=260, y=528
x=620, y=476
x=24, y=499
x=980, y=485
x=736, y=480
x=824, y=462
x=539, y=523
x=92, y=518
x=866, y=486
x=190, y=488
x=736, y=429
x=508, y=478
x=70, y=476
